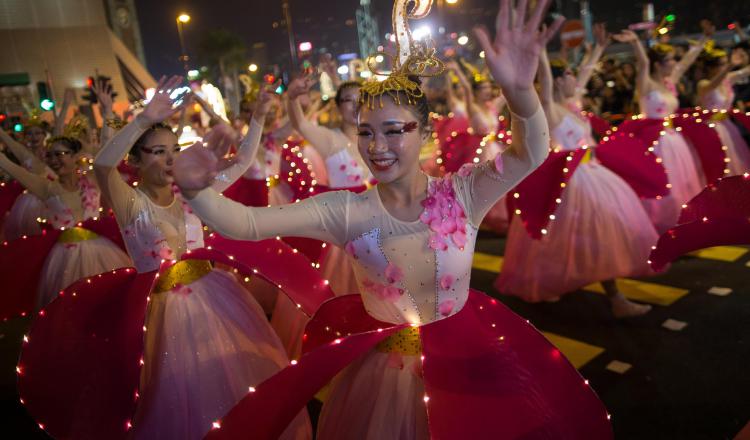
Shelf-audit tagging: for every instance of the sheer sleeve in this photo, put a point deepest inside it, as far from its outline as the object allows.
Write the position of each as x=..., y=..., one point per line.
x=246, y=155
x=323, y=217
x=118, y=194
x=34, y=183
x=485, y=184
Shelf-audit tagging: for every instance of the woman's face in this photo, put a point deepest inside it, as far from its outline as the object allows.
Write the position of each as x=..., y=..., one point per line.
x=666, y=66
x=484, y=92
x=61, y=159
x=390, y=138
x=156, y=158
x=567, y=83
x=35, y=137
x=348, y=105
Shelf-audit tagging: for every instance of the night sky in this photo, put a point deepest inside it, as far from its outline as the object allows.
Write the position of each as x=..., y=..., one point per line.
x=253, y=20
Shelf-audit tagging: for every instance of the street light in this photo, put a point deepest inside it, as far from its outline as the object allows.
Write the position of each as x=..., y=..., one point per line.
x=183, y=19
x=253, y=67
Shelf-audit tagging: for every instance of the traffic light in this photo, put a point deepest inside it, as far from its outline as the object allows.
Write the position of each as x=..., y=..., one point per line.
x=90, y=96
x=46, y=102
x=104, y=81
x=670, y=18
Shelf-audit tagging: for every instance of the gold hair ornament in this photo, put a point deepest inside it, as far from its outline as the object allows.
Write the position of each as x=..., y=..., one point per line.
x=414, y=58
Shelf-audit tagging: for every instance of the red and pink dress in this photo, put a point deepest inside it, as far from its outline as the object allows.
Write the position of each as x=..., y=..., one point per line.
x=594, y=228
x=417, y=354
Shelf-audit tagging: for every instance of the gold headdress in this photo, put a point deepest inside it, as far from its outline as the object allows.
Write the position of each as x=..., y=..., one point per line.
x=662, y=48
x=35, y=119
x=414, y=58
x=476, y=74
x=711, y=51
x=74, y=130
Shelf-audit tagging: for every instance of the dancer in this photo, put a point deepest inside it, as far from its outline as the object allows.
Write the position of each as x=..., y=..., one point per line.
x=206, y=340
x=68, y=200
x=417, y=341
x=716, y=92
x=657, y=74
x=27, y=208
x=600, y=230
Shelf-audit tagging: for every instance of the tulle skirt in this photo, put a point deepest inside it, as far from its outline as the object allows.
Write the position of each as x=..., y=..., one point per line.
x=206, y=344
x=70, y=262
x=737, y=150
x=22, y=217
x=685, y=175
x=378, y=397
x=600, y=232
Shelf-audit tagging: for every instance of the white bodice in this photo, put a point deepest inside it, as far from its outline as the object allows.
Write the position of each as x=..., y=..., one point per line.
x=160, y=232
x=720, y=98
x=345, y=168
x=572, y=133
x=66, y=208
x=401, y=277
x=658, y=104
x=268, y=161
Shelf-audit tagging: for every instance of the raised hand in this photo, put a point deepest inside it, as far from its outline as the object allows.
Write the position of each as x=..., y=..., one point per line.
x=162, y=106
x=513, y=56
x=300, y=86
x=600, y=34
x=625, y=36
x=266, y=97
x=103, y=94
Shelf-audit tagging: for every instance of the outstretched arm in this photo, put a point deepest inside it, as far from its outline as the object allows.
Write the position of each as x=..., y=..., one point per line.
x=23, y=153
x=513, y=58
x=116, y=191
x=34, y=183
x=687, y=60
x=588, y=67
x=642, y=66
x=321, y=138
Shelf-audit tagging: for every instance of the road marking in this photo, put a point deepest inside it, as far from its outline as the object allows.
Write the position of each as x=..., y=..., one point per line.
x=578, y=353
x=651, y=293
x=721, y=253
x=487, y=262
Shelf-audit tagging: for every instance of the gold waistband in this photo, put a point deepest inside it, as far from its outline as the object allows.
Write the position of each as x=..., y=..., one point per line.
x=719, y=116
x=405, y=342
x=182, y=273
x=76, y=235
x=586, y=156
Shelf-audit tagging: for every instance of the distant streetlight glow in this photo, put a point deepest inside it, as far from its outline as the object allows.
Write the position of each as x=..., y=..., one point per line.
x=183, y=18
x=463, y=40
x=305, y=46
x=343, y=70
x=451, y=2
x=422, y=32
x=253, y=67
x=481, y=54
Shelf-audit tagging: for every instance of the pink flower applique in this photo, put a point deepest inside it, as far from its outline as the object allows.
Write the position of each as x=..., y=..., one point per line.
x=393, y=273
x=381, y=291
x=166, y=253
x=444, y=215
x=446, y=307
x=181, y=289
x=395, y=360
x=342, y=167
x=446, y=281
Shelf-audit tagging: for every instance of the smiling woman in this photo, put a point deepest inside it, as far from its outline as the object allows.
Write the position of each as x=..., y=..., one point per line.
x=417, y=354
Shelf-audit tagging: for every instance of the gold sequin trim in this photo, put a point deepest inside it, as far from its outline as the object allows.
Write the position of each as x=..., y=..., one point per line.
x=405, y=342
x=182, y=273
x=76, y=235
x=719, y=116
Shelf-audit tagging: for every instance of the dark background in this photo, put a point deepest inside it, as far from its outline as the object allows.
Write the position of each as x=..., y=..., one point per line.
x=331, y=24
